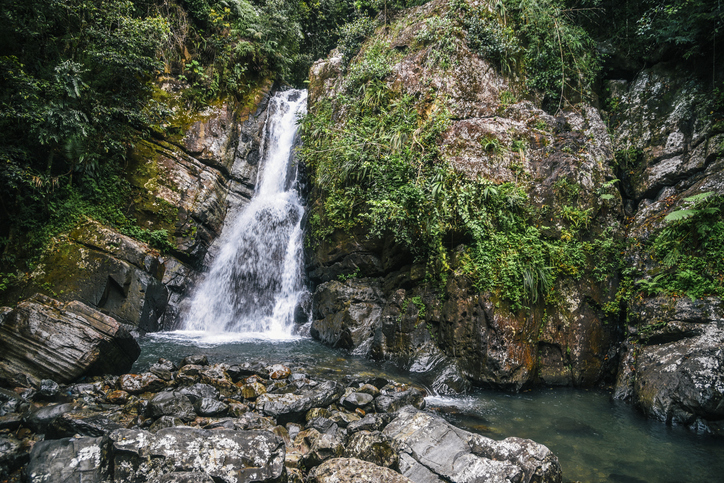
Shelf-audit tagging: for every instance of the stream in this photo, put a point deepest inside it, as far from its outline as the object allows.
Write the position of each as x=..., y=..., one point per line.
x=595, y=438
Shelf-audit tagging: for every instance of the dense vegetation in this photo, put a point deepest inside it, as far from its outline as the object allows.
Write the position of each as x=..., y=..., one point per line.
x=77, y=80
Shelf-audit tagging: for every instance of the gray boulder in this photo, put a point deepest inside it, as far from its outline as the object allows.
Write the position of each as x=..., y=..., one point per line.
x=351, y=470
x=43, y=338
x=225, y=455
x=432, y=450
x=70, y=460
x=290, y=407
x=392, y=402
x=171, y=404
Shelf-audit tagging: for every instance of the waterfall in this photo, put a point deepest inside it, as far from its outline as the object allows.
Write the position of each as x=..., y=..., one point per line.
x=255, y=281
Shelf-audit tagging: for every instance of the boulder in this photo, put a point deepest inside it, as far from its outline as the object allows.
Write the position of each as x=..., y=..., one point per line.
x=392, y=402
x=432, y=450
x=70, y=460
x=351, y=470
x=347, y=314
x=172, y=404
x=207, y=406
x=13, y=454
x=184, y=477
x=372, y=447
x=43, y=338
x=225, y=455
x=290, y=407
x=140, y=383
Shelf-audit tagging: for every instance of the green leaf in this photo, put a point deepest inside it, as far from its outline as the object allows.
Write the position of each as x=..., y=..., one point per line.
x=680, y=215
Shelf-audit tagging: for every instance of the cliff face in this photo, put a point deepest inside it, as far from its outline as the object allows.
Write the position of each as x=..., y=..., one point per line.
x=183, y=184
x=374, y=296
x=641, y=195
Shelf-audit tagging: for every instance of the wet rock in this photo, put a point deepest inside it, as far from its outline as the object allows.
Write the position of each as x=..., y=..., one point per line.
x=356, y=400
x=198, y=391
x=140, y=383
x=535, y=460
x=431, y=449
x=372, y=447
x=70, y=460
x=225, y=455
x=40, y=419
x=171, y=404
x=236, y=409
x=351, y=470
x=13, y=454
x=317, y=413
x=247, y=369
x=279, y=371
x=48, y=389
x=11, y=421
x=293, y=407
x=343, y=418
x=369, y=389
x=371, y=422
x=165, y=422
x=184, y=477
x=43, y=338
x=254, y=421
x=323, y=425
x=196, y=360
x=84, y=423
x=346, y=314
x=393, y=402
x=323, y=447
x=253, y=390
x=210, y=407
x=117, y=397
x=189, y=374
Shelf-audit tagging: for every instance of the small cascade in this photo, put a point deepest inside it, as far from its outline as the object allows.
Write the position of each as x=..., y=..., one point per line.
x=255, y=281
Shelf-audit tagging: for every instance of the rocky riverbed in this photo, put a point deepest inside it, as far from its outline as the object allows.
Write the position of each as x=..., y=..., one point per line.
x=192, y=421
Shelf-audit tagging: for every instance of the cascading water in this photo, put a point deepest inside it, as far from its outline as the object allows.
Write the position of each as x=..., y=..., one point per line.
x=255, y=282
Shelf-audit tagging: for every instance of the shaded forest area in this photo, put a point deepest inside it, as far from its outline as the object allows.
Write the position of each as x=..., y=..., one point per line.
x=79, y=79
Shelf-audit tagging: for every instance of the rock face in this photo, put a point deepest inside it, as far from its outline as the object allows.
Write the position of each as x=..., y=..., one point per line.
x=43, y=338
x=668, y=149
x=183, y=185
x=675, y=371
x=372, y=298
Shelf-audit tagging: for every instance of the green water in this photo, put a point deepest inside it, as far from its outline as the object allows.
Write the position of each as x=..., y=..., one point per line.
x=595, y=438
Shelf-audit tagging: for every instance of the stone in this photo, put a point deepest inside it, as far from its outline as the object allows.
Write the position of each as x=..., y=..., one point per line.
x=253, y=390
x=431, y=449
x=279, y=371
x=351, y=470
x=369, y=389
x=372, y=447
x=293, y=407
x=210, y=407
x=199, y=391
x=41, y=418
x=117, y=397
x=140, y=383
x=43, y=338
x=347, y=314
x=13, y=454
x=84, y=423
x=189, y=374
x=184, y=477
x=356, y=400
x=48, y=389
x=395, y=401
x=196, y=360
x=370, y=422
x=323, y=447
x=225, y=455
x=171, y=404
x=70, y=460
x=165, y=422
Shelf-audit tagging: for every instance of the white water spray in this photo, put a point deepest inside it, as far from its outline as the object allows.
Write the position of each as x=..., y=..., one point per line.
x=255, y=282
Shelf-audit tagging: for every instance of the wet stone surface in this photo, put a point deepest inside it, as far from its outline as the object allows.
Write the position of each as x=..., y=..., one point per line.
x=197, y=426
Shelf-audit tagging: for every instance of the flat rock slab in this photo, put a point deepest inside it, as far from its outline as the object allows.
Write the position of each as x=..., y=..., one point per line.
x=432, y=450
x=43, y=338
x=351, y=470
x=225, y=455
x=69, y=460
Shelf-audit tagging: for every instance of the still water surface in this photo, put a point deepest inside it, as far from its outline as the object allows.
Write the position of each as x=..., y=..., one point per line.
x=596, y=439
